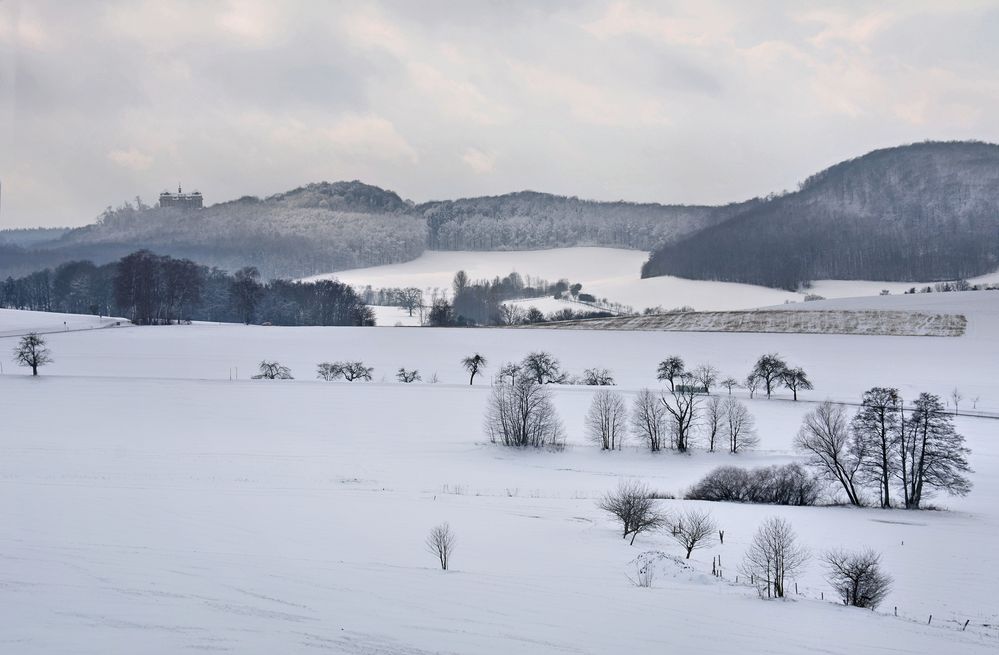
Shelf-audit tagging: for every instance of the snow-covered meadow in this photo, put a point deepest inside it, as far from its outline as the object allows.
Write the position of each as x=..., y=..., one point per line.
x=151, y=504
x=611, y=273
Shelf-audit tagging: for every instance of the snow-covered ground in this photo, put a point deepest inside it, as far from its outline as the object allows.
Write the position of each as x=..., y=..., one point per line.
x=611, y=273
x=163, y=508
x=15, y=323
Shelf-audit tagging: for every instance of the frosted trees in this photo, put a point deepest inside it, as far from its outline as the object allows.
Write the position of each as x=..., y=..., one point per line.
x=876, y=427
x=543, y=368
x=521, y=414
x=795, y=379
x=669, y=370
x=774, y=556
x=769, y=370
x=740, y=427
x=606, y=420
x=440, y=542
x=632, y=504
x=857, y=577
x=31, y=351
x=473, y=363
x=693, y=529
x=714, y=420
x=932, y=454
x=273, y=371
x=826, y=440
x=648, y=419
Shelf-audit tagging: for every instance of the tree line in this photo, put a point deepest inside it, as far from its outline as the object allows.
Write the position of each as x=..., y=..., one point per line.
x=151, y=289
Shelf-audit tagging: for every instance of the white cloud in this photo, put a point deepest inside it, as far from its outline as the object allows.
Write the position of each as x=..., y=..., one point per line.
x=479, y=161
x=131, y=158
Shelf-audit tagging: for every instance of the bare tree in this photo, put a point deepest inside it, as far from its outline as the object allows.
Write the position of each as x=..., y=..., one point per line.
x=826, y=440
x=473, y=363
x=648, y=419
x=932, y=454
x=669, y=370
x=273, y=371
x=693, y=529
x=714, y=420
x=409, y=299
x=31, y=351
x=633, y=505
x=328, y=371
x=752, y=384
x=877, y=427
x=597, y=377
x=769, y=369
x=441, y=543
x=521, y=414
x=956, y=396
x=730, y=383
x=774, y=556
x=681, y=404
x=508, y=373
x=795, y=379
x=606, y=420
x=740, y=427
x=352, y=371
x=857, y=577
x=706, y=375
x=407, y=376
x=543, y=368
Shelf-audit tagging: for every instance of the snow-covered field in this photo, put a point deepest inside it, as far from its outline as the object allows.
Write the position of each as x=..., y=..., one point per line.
x=611, y=273
x=14, y=322
x=162, y=507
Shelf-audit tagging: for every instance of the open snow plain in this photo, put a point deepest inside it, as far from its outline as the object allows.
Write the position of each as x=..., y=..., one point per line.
x=149, y=504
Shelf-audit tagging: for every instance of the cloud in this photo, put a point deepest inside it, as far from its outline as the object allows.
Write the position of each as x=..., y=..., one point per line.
x=132, y=159
x=479, y=161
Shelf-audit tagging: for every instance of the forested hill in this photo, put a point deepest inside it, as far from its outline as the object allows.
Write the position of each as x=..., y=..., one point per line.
x=327, y=227
x=531, y=220
x=913, y=213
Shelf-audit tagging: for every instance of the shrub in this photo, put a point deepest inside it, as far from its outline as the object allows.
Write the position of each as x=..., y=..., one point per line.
x=788, y=484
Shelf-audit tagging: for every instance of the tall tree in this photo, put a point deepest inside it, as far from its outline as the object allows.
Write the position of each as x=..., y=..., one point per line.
x=826, y=440
x=769, y=369
x=682, y=405
x=669, y=370
x=932, y=454
x=795, y=379
x=877, y=428
x=32, y=352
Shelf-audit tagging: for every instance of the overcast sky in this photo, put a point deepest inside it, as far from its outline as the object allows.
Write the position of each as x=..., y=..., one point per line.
x=676, y=102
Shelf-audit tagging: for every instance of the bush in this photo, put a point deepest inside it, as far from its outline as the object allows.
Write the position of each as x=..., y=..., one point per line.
x=349, y=371
x=273, y=371
x=789, y=484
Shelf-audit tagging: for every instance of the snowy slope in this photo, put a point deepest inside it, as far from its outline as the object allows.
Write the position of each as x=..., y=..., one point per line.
x=163, y=508
x=611, y=273
x=15, y=322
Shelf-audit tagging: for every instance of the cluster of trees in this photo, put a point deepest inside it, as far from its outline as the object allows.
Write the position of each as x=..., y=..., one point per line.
x=788, y=484
x=886, y=448
x=152, y=289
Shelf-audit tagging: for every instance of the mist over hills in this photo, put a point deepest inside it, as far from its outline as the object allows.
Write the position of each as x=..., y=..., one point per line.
x=911, y=213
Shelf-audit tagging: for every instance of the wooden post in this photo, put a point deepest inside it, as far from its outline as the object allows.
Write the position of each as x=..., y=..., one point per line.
x=965, y=625
x=930, y=621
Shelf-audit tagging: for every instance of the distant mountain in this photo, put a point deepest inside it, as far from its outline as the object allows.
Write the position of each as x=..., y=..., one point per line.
x=327, y=227
x=912, y=213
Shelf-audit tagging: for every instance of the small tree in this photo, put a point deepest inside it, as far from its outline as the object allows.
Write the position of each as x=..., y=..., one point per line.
x=407, y=376
x=474, y=363
x=774, y=555
x=273, y=371
x=31, y=351
x=543, y=368
x=633, y=505
x=597, y=377
x=706, y=375
x=693, y=529
x=521, y=415
x=857, y=577
x=730, y=383
x=409, y=299
x=795, y=379
x=648, y=419
x=508, y=374
x=356, y=371
x=770, y=370
x=669, y=370
x=441, y=542
x=957, y=397
x=682, y=405
x=714, y=420
x=605, y=420
x=329, y=371
x=740, y=427
x=752, y=384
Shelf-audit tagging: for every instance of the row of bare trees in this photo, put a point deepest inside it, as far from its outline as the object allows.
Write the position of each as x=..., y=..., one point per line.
x=886, y=448
x=677, y=418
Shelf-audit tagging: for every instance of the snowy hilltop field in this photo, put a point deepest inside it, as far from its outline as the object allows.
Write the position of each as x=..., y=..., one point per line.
x=156, y=500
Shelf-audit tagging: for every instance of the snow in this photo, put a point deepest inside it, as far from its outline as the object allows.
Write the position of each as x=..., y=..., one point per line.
x=611, y=273
x=15, y=323
x=386, y=316
x=164, y=508
x=549, y=305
